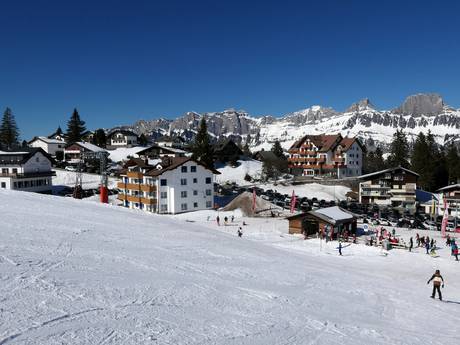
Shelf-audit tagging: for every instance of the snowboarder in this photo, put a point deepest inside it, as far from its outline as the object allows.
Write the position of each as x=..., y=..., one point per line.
x=218, y=220
x=240, y=232
x=411, y=244
x=427, y=246
x=340, y=248
x=437, y=279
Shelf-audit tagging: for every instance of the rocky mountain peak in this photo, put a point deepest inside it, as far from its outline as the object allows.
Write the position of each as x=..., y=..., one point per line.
x=421, y=104
x=362, y=105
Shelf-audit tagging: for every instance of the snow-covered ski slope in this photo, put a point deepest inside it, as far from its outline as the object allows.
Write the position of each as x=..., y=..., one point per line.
x=76, y=272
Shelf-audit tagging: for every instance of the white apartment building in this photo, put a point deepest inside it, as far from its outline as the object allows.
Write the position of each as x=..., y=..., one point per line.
x=174, y=185
x=26, y=170
x=50, y=146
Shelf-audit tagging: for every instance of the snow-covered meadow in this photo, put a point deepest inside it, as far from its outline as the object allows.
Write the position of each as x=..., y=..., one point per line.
x=78, y=272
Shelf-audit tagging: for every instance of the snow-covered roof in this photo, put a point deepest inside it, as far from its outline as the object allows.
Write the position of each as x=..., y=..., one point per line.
x=90, y=147
x=452, y=186
x=387, y=170
x=49, y=141
x=335, y=213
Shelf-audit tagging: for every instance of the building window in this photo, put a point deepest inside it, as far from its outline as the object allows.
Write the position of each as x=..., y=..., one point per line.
x=15, y=184
x=195, y=204
x=183, y=169
x=208, y=192
x=183, y=181
x=5, y=171
x=183, y=207
x=195, y=192
x=195, y=180
x=183, y=194
x=37, y=159
x=15, y=170
x=208, y=180
x=208, y=204
x=164, y=195
x=163, y=182
x=193, y=168
x=164, y=208
x=3, y=184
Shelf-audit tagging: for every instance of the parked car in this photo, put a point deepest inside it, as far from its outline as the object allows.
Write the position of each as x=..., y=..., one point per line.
x=70, y=168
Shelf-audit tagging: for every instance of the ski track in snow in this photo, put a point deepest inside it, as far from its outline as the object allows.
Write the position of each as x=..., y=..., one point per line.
x=75, y=272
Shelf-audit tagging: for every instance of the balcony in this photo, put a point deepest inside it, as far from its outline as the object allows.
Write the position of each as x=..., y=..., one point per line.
x=296, y=159
x=135, y=174
x=146, y=201
x=29, y=175
x=148, y=188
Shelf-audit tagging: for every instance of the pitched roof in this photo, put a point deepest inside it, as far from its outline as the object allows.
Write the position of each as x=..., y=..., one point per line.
x=323, y=142
x=47, y=140
x=88, y=146
x=21, y=155
x=267, y=155
x=387, y=170
x=175, y=162
x=122, y=131
x=346, y=143
x=450, y=187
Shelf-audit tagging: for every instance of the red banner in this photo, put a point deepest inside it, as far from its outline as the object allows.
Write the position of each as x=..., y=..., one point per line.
x=293, y=201
x=445, y=218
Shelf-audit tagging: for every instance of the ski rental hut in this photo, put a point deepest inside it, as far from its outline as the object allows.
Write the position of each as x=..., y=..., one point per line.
x=322, y=220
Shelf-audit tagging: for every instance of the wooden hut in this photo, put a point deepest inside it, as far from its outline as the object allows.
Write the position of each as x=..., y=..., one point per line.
x=329, y=220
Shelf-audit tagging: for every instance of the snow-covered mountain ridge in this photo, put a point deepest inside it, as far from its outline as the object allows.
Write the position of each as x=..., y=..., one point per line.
x=418, y=113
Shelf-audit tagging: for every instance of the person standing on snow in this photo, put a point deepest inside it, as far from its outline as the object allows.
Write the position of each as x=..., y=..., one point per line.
x=427, y=247
x=240, y=232
x=454, y=249
x=218, y=220
x=437, y=280
x=417, y=238
x=411, y=244
x=340, y=248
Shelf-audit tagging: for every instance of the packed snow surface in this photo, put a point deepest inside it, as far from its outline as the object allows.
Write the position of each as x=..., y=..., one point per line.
x=67, y=178
x=78, y=272
x=122, y=153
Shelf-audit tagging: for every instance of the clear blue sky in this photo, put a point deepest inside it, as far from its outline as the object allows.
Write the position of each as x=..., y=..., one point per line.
x=119, y=61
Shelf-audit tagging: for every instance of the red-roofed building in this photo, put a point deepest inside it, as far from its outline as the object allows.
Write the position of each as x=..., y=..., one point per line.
x=326, y=155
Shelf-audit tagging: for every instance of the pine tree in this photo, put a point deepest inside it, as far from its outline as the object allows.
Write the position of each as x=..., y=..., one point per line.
x=202, y=149
x=9, y=132
x=59, y=131
x=143, y=140
x=380, y=163
x=278, y=150
x=420, y=161
x=99, y=138
x=373, y=161
x=268, y=170
x=75, y=128
x=453, y=163
x=399, y=150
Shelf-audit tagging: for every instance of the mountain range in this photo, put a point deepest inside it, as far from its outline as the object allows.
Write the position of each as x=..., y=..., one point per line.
x=418, y=113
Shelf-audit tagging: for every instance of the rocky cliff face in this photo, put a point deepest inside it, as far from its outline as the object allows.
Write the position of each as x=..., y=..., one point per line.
x=421, y=112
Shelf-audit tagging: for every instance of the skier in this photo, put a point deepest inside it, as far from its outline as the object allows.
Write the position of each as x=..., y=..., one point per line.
x=233, y=218
x=448, y=241
x=340, y=248
x=218, y=220
x=437, y=279
x=427, y=246
x=417, y=239
x=411, y=244
x=240, y=232
x=454, y=249
x=225, y=220
x=432, y=243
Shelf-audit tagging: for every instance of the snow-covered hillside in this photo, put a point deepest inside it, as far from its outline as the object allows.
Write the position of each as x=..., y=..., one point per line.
x=67, y=178
x=76, y=272
x=418, y=113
